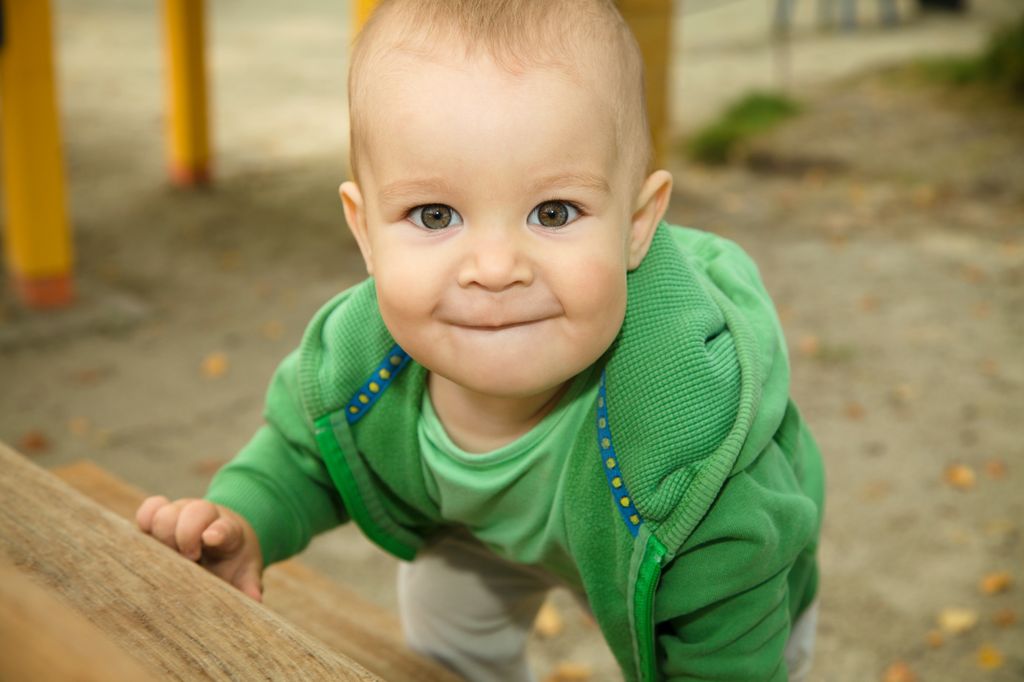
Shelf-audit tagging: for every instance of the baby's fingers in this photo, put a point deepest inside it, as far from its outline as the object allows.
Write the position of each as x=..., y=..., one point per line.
x=146, y=511
x=243, y=573
x=165, y=524
x=249, y=582
x=223, y=537
x=195, y=518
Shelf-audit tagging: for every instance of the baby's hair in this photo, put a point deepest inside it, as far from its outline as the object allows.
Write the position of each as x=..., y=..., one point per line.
x=571, y=35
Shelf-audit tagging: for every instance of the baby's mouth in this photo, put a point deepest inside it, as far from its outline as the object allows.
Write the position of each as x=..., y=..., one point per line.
x=499, y=326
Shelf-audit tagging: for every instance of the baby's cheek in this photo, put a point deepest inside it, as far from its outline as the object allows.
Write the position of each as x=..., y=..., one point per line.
x=398, y=298
x=597, y=306
x=599, y=289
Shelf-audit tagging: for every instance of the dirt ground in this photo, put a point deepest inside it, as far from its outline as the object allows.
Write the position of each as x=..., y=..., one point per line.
x=888, y=221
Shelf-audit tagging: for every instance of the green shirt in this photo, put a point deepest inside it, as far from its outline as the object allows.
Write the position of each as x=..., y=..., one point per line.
x=511, y=498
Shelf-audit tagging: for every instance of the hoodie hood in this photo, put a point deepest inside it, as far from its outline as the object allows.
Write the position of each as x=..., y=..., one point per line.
x=707, y=374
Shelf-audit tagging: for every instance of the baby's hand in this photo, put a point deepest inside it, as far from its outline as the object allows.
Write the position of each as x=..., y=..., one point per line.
x=221, y=540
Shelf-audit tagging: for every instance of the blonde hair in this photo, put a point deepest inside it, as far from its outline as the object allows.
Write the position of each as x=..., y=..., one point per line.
x=572, y=35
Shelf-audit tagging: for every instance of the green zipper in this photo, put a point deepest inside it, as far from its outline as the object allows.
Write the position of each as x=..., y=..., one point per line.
x=648, y=574
x=327, y=435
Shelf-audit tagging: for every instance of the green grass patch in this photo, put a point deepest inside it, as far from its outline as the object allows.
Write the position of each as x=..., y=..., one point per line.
x=1000, y=64
x=950, y=70
x=751, y=115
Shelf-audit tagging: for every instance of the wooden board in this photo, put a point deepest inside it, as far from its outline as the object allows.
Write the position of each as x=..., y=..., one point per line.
x=341, y=618
x=166, y=612
x=42, y=638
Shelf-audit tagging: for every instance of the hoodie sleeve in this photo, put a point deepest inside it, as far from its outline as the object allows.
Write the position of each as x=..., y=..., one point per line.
x=278, y=481
x=724, y=605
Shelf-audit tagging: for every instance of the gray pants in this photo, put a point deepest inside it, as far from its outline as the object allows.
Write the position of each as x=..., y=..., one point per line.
x=474, y=611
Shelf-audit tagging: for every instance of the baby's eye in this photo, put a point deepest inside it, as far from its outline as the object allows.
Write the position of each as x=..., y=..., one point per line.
x=553, y=214
x=435, y=216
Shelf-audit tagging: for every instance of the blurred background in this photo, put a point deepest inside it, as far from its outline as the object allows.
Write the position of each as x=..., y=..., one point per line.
x=869, y=155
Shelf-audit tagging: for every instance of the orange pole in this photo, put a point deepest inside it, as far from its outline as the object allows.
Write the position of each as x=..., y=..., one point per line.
x=38, y=243
x=188, y=140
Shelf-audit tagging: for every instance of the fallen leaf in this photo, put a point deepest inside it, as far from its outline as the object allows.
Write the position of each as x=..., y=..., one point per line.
x=272, y=330
x=956, y=621
x=1011, y=248
x=981, y=311
x=973, y=274
x=924, y=196
x=816, y=176
x=230, y=260
x=91, y=376
x=79, y=426
x=876, y=490
x=996, y=469
x=1004, y=618
x=868, y=303
x=570, y=672
x=264, y=290
x=549, y=622
x=854, y=411
x=1000, y=528
x=110, y=273
x=903, y=394
x=989, y=367
x=960, y=476
x=935, y=639
x=34, y=443
x=840, y=222
x=809, y=345
x=989, y=657
x=215, y=365
x=856, y=193
x=899, y=672
x=960, y=537
x=996, y=583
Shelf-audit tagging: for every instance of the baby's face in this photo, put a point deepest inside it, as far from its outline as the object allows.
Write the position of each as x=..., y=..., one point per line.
x=493, y=213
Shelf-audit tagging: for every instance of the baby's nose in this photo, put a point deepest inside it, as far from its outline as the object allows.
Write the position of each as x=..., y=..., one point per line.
x=496, y=261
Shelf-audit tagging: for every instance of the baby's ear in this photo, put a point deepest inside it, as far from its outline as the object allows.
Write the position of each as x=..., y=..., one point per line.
x=355, y=215
x=651, y=203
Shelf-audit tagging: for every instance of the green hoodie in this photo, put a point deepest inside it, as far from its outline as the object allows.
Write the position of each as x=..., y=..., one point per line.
x=693, y=503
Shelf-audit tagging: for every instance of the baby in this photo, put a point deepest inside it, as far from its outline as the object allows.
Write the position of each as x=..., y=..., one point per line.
x=541, y=383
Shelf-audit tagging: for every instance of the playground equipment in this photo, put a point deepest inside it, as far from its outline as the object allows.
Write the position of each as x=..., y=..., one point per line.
x=38, y=244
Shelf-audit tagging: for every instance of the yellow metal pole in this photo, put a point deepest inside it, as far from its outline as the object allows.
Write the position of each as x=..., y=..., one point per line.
x=37, y=235
x=188, y=131
x=651, y=21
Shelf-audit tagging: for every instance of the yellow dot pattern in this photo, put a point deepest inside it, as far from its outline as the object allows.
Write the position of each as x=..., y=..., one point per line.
x=620, y=493
x=386, y=372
